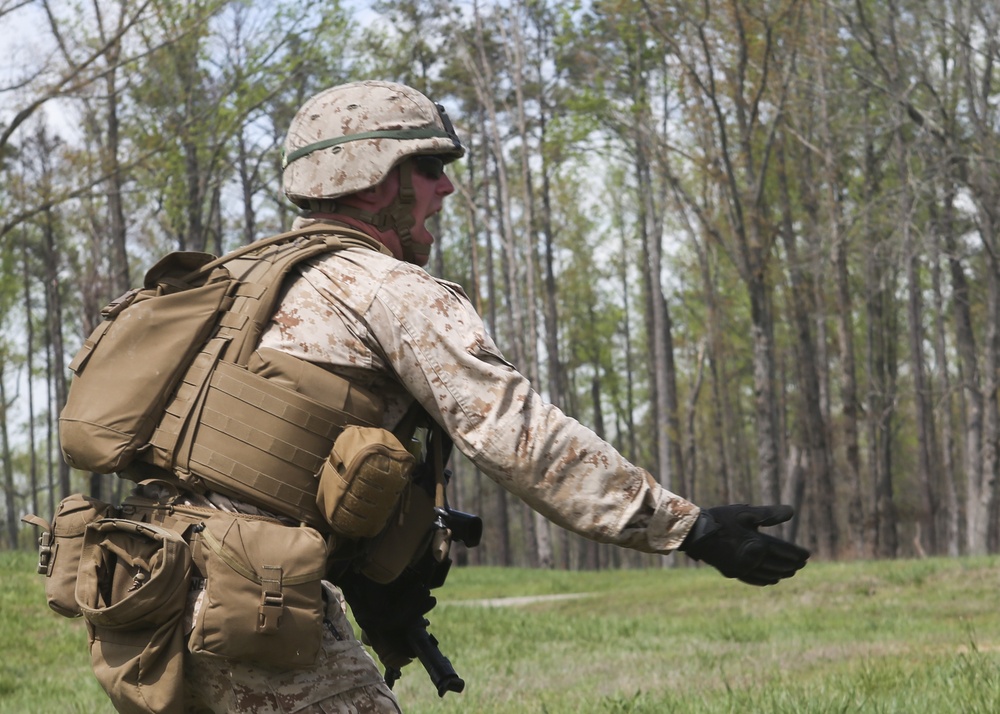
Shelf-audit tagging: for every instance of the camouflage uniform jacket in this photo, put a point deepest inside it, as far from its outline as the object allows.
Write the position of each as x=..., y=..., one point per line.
x=389, y=326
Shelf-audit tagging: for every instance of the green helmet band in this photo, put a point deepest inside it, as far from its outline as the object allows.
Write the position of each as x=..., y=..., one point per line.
x=402, y=134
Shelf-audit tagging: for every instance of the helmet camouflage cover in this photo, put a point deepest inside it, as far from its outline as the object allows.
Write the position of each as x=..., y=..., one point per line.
x=347, y=138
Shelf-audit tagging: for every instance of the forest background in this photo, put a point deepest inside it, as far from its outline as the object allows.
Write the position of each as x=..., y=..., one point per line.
x=754, y=245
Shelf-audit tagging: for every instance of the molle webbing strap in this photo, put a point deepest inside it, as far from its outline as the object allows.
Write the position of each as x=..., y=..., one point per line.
x=167, y=447
x=261, y=442
x=262, y=270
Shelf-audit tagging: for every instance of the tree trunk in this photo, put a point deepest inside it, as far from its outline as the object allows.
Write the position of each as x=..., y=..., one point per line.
x=838, y=241
x=851, y=403
x=814, y=426
x=542, y=527
x=765, y=398
x=656, y=319
x=980, y=154
x=882, y=391
x=247, y=177
x=55, y=323
x=505, y=555
x=29, y=341
x=950, y=517
x=9, y=490
x=722, y=408
x=629, y=447
x=921, y=393
x=986, y=507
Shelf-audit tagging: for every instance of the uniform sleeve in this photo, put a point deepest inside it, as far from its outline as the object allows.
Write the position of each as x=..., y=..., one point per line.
x=432, y=337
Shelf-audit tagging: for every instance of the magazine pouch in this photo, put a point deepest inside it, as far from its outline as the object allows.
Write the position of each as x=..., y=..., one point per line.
x=262, y=600
x=60, y=545
x=132, y=589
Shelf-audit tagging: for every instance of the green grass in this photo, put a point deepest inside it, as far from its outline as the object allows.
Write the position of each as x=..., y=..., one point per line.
x=868, y=637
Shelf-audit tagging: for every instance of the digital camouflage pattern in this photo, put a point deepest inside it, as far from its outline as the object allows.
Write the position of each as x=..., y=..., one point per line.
x=344, y=679
x=389, y=326
x=347, y=138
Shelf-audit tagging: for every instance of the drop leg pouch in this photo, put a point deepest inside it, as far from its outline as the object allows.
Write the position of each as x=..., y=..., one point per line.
x=132, y=589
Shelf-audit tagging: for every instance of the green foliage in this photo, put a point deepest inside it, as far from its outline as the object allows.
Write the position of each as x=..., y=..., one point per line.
x=226, y=73
x=45, y=666
x=669, y=118
x=886, y=637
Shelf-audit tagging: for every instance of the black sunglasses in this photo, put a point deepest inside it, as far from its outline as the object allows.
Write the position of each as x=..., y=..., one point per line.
x=431, y=167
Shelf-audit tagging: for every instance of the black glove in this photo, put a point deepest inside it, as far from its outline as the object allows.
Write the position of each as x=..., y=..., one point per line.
x=391, y=646
x=726, y=537
x=385, y=612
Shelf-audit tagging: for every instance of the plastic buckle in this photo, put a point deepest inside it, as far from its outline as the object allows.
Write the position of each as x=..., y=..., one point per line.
x=113, y=308
x=269, y=612
x=46, y=553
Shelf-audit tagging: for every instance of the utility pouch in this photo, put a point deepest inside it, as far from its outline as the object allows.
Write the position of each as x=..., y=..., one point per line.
x=262, y=599
x=361, y=481
x=132, y=589
x=60, y=546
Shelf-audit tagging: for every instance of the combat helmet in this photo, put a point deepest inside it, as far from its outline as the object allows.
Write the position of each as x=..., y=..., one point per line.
x=348, y=138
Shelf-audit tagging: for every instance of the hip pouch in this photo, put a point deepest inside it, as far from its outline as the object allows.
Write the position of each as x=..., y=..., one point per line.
x=132, y=589
x=60, y=546
x=262, y=600
x=362, y=480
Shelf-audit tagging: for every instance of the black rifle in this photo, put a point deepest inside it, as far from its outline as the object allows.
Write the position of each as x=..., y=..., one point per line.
x=464, y=528
x=468, y=530
x=438, y=667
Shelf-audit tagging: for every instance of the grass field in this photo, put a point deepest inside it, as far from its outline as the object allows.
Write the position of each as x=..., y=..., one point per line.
x=906, y=636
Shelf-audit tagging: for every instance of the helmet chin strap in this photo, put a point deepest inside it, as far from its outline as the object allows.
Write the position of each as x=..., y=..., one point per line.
x=401, y=215
x=397, y=216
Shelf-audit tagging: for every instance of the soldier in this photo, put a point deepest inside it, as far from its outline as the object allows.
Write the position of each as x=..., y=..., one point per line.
x=372, y=156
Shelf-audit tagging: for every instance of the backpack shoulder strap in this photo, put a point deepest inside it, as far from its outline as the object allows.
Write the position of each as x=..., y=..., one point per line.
x=347, y=237
x=261, y=268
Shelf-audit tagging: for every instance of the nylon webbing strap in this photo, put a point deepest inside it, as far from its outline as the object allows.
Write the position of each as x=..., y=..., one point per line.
x=262, y=267
x=349, y=236
x=255, y=306
x=240, y=480
x=271, y=599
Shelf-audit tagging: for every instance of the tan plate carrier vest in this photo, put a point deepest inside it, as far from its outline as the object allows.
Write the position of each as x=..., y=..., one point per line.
x=252, y=424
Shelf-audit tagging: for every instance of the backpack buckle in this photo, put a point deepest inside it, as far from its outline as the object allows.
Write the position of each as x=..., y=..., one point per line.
x=46, y=553
x=271, y=600
x=118, y=304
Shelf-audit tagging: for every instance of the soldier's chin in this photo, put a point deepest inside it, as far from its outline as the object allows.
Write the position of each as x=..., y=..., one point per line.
x=421, y=248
